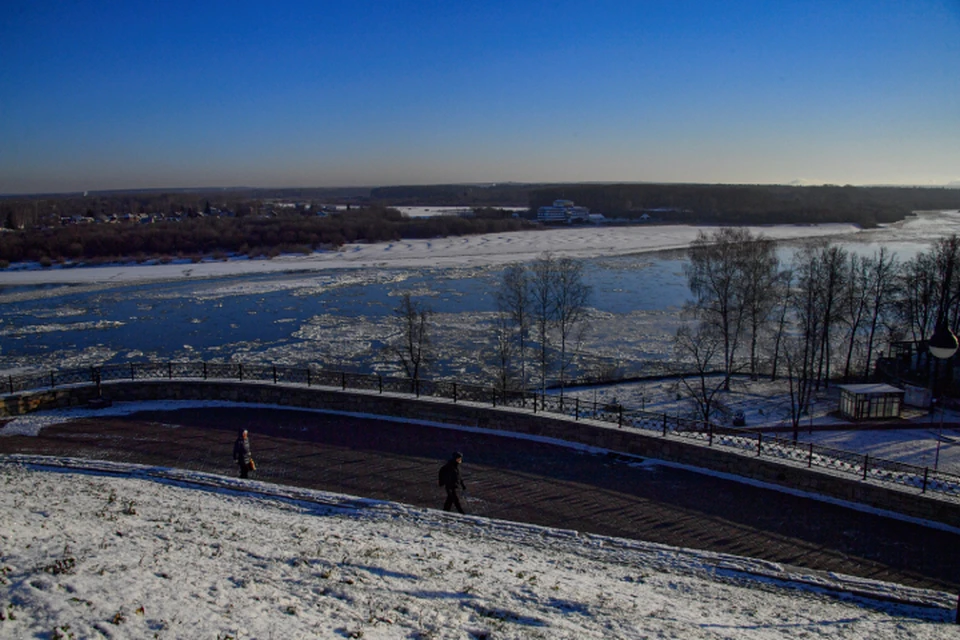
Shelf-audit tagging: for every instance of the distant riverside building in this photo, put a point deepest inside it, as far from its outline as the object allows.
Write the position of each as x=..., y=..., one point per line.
x=563, y=211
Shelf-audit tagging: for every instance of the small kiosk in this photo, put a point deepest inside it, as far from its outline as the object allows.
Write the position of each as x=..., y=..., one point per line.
x=870, y=401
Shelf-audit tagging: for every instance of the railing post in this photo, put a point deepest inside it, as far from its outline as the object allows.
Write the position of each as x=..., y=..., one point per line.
x=343, y=380
x=576, y=409
x=240, y=371
x=133, y=372
x=274, y=374
x=416, y=384
x=169, y=371
x=308, y=376
x=494, y=394
x=380, y=382
x=664, y=424
x=454, y=393
x=810, y=457
x=620, y=417
x=866, y=460
x=11, y=384
x=204, y=370
x=709, y=434
x=759, y=442
x=926, y=474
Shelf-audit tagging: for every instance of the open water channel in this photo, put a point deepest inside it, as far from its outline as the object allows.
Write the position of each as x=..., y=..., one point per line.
x=344, y=319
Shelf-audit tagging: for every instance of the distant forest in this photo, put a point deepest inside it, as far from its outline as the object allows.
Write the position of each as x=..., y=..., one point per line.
x=697, y=203
x=218, y=237
x=746, y=204
x=195, y=223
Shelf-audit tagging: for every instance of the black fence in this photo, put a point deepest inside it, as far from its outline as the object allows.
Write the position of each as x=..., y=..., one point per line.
x=923, y=479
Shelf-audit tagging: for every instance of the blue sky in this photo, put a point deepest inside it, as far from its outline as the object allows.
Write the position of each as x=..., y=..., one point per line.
x=101, y=95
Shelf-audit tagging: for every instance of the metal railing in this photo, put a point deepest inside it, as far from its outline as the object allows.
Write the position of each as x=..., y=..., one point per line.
x=869, y=469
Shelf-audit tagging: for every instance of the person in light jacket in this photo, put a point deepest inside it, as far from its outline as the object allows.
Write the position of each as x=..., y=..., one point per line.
x=241, y=453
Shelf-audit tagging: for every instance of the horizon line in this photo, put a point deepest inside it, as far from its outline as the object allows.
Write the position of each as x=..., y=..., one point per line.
x=797, y=184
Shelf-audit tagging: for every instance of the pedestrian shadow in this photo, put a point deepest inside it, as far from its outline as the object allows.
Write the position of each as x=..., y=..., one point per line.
x=922, y=619
x=384, y=573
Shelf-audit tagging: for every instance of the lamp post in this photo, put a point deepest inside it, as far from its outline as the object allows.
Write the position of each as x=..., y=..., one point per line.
x=942, y=345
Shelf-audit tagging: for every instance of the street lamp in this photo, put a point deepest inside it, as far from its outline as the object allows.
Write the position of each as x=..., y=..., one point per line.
x=943, y=344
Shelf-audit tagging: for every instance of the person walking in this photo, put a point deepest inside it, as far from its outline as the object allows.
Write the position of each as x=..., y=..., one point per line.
x=242, y=455
x=452, y=481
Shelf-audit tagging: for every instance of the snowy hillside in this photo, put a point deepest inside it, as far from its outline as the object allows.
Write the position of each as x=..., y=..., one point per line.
x=135, y=552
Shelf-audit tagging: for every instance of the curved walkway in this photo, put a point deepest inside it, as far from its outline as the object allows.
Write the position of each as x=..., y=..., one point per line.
x=521, y=480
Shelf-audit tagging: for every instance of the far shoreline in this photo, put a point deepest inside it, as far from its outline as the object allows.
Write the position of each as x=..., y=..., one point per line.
x=580, y=242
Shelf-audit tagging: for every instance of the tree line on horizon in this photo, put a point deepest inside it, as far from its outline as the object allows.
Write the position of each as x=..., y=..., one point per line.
x=752, y=204
x=728, y=204
x=252, y=236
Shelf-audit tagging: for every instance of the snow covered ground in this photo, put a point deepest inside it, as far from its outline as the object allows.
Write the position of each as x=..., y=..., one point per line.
x=134, y=552
x=766, y=403
x=460, y=251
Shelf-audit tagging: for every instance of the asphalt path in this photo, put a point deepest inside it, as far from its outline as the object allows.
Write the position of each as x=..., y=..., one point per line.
x=521, y=480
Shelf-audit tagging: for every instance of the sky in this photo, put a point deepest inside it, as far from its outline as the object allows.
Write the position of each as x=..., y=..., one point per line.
x=110, y=95
x=135, y=552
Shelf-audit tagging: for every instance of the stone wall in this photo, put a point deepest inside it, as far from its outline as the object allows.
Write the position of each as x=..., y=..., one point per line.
x=648, y=445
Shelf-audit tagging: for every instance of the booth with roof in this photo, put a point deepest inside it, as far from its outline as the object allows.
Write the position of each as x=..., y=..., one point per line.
x=870, y=401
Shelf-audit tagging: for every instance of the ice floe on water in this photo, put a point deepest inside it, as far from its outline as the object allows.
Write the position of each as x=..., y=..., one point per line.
x=220, y=304
x=59, y=326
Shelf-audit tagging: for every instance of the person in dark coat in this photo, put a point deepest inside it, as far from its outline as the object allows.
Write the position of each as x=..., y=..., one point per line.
x=241, y=453
x=452, y=481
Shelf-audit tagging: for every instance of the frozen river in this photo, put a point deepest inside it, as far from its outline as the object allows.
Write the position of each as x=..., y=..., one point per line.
x=335, y=309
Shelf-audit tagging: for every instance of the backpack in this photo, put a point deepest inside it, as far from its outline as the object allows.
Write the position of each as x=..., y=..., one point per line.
x=444, y=474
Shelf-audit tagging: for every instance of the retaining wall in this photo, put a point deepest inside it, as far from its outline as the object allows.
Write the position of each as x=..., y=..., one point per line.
x=898, y=499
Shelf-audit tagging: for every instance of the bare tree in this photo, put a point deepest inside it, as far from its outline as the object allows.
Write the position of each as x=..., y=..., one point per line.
x=796, y=353
x=731, y=273
x=761, y=269
x=832, y=282
x=929, y=290
x=704, y=347
x=558, y=299
x=946, y=255
x=801, y=350
x=783, y=290
x=542, y=307
x=571, y=295
x=504, y=350
x=917, y=297
x=413, y=345
x=513, y=303
x=856, y=300
x=883, y=280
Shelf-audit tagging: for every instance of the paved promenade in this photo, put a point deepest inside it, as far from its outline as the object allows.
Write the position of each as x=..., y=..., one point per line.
x=520, y=480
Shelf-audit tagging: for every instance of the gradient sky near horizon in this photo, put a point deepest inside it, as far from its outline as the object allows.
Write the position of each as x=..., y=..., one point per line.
x=113, y=95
